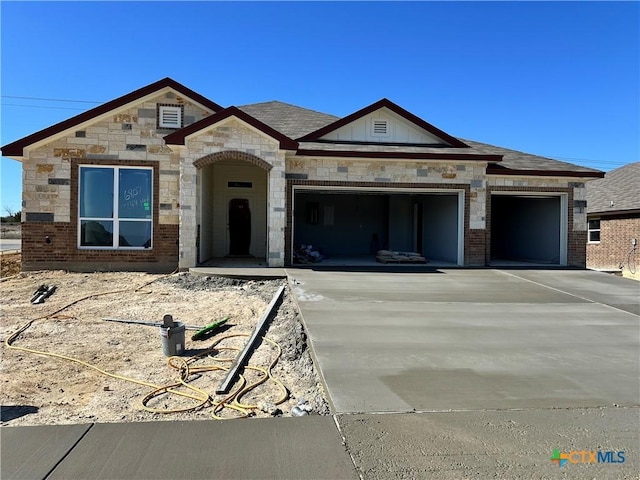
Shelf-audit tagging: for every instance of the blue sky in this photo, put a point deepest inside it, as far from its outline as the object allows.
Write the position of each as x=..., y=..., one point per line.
x=550, y=78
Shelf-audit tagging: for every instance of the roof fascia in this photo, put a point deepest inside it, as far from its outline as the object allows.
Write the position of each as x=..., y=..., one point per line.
x=401, y=155
x=616, y=214
x=454, y=142
x=502, y=170
x=180, y=136
x=16, y=148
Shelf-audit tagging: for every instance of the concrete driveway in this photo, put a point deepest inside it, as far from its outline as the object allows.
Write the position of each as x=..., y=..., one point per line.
x=473, y=339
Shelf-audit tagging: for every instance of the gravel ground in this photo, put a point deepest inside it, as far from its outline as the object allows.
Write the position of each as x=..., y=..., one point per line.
x=38, y=389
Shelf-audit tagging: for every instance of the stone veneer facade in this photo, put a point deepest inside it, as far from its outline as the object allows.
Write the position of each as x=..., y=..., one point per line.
x=131, y=137
x=467, y=176
x=50, y=189
x=234, y=137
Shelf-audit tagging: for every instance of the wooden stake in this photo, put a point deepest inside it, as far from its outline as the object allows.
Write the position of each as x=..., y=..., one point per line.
x=238, y=363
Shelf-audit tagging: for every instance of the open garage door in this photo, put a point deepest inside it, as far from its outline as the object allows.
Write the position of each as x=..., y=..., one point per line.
x=356, y=224
x=528, y=229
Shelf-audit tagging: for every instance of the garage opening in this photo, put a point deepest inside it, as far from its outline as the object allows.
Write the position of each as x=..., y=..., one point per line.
x=348, y=225
x=527, y=229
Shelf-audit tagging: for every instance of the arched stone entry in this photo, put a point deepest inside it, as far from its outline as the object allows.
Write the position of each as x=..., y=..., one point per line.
x=232, y=156
x=226, y=181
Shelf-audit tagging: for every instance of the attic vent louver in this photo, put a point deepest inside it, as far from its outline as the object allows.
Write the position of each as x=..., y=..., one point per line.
x=380, y=128
x=169, y=116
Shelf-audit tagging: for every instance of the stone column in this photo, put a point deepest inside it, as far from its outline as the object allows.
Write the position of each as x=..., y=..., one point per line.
x=276, y=220
x=188, y=221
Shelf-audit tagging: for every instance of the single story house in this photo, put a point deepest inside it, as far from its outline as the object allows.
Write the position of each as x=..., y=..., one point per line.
x=164, y=177
x=613, y=215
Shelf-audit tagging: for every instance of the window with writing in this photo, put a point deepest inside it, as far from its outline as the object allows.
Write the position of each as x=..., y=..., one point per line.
x=115, y=207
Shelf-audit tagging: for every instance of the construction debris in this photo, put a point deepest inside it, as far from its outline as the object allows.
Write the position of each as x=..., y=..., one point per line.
x=388, y=256
x=302, y=408
x=307, y=254
x=64, y=393
x=150, y=324
x=42, y=293
x=204, y=332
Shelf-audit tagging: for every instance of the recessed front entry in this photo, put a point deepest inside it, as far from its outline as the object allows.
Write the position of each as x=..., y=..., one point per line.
x=239, y=226
x=232, y=210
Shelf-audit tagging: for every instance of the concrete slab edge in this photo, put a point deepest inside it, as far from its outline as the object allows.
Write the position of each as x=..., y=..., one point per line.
x=346, y=446
x=314, y=358
x=248, y=274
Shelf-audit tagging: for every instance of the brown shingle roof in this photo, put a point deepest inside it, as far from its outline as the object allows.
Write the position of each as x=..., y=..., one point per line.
x=297, y=123
x=294, y=122
x=515, y=161
x=620, y=186
x=291, y=120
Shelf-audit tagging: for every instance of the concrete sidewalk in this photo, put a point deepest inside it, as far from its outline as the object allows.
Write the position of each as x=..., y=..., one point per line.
x=281, y=448
x=10, y=244
x=443, y=446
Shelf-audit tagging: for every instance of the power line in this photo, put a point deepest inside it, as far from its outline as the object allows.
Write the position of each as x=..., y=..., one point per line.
x=605, y=162
x=40, y=106
x=49, y=99
x=577, y=158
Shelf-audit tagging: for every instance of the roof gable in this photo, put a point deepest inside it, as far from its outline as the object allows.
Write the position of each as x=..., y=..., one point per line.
x=403, y=128
x=178, y=137
x=16, y=149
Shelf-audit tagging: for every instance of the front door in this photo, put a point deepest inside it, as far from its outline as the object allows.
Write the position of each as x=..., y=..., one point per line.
x=239, y=226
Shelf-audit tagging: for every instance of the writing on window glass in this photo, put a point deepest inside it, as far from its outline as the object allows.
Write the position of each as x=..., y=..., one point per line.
x=133, y=199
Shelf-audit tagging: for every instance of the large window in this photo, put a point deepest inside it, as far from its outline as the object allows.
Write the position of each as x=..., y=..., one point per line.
x=115, y=207
x=594, y=231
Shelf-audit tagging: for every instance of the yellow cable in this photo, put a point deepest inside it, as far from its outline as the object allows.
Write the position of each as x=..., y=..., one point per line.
x=203, y=399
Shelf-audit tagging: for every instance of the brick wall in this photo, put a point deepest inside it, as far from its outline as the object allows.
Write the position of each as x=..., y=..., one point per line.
x=61, y=251
x=615, y=242
x=475, y=248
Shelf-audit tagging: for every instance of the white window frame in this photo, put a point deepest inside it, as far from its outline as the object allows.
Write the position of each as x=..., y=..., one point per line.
x=172, y=110
x=589, y=230
x=115, y=219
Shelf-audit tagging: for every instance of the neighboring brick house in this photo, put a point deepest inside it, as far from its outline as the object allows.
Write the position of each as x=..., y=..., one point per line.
x=163, y=177
x=613, y=213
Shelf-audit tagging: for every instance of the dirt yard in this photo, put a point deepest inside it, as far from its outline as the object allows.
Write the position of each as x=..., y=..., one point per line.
x=9, y=264
x=38, y=389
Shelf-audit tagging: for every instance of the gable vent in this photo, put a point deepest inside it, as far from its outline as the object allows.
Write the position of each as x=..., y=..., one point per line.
x=380, y=128
x=170, y=117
